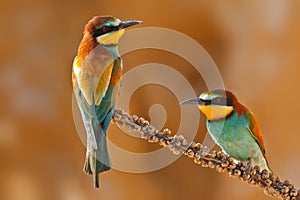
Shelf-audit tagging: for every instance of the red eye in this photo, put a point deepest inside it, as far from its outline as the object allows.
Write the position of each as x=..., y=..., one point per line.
x=105, y=28
x=217, y=100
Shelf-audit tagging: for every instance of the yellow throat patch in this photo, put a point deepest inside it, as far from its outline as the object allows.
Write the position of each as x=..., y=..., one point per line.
x=110, y=38
x=216, y=112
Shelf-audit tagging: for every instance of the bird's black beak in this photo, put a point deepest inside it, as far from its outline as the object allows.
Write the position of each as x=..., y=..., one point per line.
x=193, y=101
x=126, y=24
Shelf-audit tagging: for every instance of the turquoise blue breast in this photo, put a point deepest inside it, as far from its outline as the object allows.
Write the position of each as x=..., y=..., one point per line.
x=234, y=137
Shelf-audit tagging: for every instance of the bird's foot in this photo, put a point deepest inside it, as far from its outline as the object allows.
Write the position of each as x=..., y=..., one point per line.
x=249, y=165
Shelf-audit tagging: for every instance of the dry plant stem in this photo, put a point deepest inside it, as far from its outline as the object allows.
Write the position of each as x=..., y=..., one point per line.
x=270, y=183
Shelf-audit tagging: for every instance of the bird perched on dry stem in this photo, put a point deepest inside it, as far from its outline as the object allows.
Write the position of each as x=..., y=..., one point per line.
x=233, y=127
x=96, y=75
x=269, y=182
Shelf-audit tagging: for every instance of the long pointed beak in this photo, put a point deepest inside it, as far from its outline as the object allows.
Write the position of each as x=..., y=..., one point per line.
x=126, y=24
x=192, y=101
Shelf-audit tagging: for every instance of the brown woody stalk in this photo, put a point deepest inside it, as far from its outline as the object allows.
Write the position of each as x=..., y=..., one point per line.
x=270, y=183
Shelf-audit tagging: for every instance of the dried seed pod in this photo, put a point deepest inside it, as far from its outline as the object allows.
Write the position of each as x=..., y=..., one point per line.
x=136, y=128
x=144, y=129
x=141, y=120
x=192, y=145
x=197, y=160
x=180, y=137
x=177, y=143
x=251, y=181
x=231, y=166
x=224, y=163
x=144, y=136
x=220, y=154
x=117, y=117
x=219, y=168
x=285, y=189
x=198, y=146
x=286, y=182
x=167, y=131
x=197, y=155
x=285, y=196
x=237, y=172
x=265, y=174
x=245, y=176
x=268, y=182
x=169, y=140
x=211, y=164
x=293, y=192
x=277, y=193
x=134, y=118
x=151, y=129
x=184, y=142
x=291, y=186
x=146, y=123
x=256, y=168
x=230, y=160
x=204, y=163
x=270, y=191
x=190, y=153
x=252, y=171
x=163, y=142
x=121, y=124
x=257, y=177
x=153, y=139
x=230, y=173
x=274, y=178
x=204, y=151
x=212, y=154
x=176, y=151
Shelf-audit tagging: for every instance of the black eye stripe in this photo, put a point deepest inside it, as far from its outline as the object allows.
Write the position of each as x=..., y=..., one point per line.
x=206, y=102
x=219, y=101
x=103, y=30
x=229, y=102
x=222, y=101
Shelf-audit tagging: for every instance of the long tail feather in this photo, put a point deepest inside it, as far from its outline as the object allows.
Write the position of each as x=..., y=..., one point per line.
x=97, y=160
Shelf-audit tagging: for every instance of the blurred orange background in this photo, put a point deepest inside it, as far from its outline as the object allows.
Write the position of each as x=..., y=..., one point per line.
x=255, y=45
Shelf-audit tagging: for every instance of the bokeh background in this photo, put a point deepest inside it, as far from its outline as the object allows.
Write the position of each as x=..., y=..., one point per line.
x=255, y=45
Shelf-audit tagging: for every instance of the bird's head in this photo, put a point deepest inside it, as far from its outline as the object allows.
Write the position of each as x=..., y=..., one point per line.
x=107, y=30
x=216, y=104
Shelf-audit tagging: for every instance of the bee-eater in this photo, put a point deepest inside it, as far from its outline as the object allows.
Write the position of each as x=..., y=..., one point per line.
x=233, y=127
x=96, y=75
